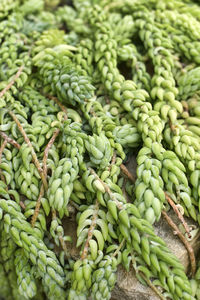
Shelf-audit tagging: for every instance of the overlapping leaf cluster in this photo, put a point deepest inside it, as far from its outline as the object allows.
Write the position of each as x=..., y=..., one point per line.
x=83, y=87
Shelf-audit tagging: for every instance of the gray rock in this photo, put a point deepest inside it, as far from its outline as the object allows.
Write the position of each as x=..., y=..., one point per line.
x=129, y=288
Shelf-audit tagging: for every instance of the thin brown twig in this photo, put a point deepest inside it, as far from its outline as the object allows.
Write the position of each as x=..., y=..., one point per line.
x=9, y=140
x=173, y=127
x=93, y=113
x=90, y=231
x=127, y=173
x=184, y=240
x=153, y=287
x=21, y=203
x=37, y=207
x=46, y=151
x=63, y=108
x=179, y=215
x=12, y=81
x=34, y=156
x=1, y=152
x=2, y=148
x=107, y=189
x=53, y=214
x=42, y=190
x=119, y=248
x=112, y=161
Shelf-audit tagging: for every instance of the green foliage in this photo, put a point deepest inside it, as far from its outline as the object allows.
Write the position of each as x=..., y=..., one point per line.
x=82, y=88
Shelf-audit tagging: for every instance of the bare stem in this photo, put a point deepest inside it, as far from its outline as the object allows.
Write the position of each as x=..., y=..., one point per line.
x=21, y=203
x=127, y=173
x=179, y=215
x=46, y=151
x=63, y=108
x=119, y=248
x=1, y=152
x=90, y=231
x=42, y=190
x=37, y=207
x=9, y=140
x=112, y=161
x=184, y=241
x=34, y=156
x=12, y=82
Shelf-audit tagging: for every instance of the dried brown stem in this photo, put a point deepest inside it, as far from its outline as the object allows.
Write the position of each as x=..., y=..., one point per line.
x=127, y=173
x=153, y=287
x=112, y=161
x=21, y=203
x=63, y=108
x=9, y=140
x=46, y=151
x=37, y=207
x=1, y=152
x=53, y=214
x=2, y=149
x=34, y=156
x=119, y=248
x=184, y=241
x=93, y=113
x=173, y=127
x=12, y=82
x=107, y=189
x=179, y=215
x=90, y=231
x=42, y=190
